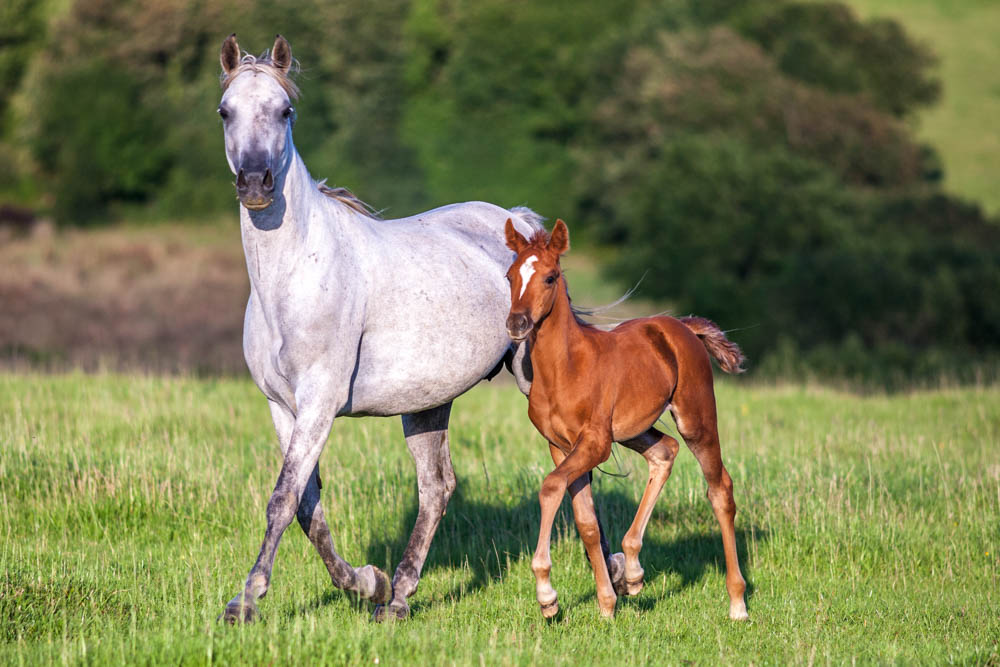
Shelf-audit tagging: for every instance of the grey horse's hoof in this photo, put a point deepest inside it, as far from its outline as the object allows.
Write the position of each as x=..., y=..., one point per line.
x=551, y=609
x=240, y=611
x=616, y=570
x=383, y=588
x=394, y=611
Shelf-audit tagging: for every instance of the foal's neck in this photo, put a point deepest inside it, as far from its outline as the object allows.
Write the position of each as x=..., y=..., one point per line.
x=556, y=333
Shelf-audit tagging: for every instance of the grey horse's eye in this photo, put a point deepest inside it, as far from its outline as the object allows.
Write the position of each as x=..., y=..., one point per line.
x=224, y=113
x=287, y=113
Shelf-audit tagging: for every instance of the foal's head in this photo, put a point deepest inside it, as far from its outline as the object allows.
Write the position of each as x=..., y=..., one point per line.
x=534, y=276
x=257, y=117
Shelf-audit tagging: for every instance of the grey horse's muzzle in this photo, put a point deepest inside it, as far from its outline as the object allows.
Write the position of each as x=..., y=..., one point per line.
x=255, y=189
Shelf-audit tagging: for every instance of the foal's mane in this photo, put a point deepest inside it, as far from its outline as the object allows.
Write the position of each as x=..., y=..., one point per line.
x=264, y=65
x=539, y=241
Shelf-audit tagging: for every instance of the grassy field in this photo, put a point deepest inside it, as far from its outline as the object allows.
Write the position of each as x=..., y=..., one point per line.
x=963, y=126
x=131, y=509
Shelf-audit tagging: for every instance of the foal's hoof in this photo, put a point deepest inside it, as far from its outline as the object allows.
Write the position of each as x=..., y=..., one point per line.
x=616, y=570
x=551, y=609
x=394, y=611
x=738, y=611
x=634, y=587
x=239, y=611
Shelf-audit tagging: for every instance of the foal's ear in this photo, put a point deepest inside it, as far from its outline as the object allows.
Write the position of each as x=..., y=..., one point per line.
x=281, y=54
x=559, y=239
x=229, y=57
x=515, y=241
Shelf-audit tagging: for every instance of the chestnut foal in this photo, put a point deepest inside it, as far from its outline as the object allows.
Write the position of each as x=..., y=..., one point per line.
x=594, y=387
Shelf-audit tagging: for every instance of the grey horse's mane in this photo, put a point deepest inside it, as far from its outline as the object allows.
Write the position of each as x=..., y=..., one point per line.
x=349, y=199
x=264, y=65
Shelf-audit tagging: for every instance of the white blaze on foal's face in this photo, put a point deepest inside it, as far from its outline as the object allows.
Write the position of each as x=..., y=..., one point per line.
x=527, y=270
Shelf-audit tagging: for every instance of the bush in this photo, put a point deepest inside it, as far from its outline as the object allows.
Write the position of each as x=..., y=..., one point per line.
x=111, y=151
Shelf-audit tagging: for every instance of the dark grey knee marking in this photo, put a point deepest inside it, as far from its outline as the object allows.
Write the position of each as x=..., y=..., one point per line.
x=281, y=507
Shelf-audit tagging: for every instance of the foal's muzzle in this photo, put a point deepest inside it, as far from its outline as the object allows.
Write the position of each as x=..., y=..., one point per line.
x=255, y=189
x=519, y=326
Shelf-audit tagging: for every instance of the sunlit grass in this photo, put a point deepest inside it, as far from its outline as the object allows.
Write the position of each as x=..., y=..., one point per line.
x=131, y=508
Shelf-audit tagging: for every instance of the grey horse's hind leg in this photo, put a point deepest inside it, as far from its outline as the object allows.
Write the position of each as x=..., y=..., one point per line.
x=369, y=582
x=427, y=437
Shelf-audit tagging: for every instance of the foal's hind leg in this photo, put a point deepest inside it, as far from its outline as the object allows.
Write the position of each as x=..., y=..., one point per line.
x=696, y=420
x=659, y=451
x=427, y=438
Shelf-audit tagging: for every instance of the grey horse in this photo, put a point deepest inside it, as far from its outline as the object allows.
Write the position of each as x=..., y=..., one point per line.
x=350, y=315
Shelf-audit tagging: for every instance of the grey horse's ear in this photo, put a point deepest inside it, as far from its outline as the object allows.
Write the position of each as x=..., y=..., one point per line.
x=281, y=54
x=515, y=241
x=559, y=240
x=229, y=57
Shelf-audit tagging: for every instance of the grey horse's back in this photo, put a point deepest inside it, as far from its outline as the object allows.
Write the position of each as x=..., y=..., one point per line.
x=435, y=322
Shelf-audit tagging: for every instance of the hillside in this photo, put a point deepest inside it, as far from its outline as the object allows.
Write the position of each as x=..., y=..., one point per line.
x=963, y=125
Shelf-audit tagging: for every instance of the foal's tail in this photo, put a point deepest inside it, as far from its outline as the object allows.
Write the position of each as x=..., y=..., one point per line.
x=725, y=351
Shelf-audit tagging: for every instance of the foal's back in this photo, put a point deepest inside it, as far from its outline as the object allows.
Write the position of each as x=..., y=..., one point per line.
x=639, y=367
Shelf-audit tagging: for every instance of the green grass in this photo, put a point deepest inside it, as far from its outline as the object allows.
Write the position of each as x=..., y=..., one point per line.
x=963, y=126
x=131, y=509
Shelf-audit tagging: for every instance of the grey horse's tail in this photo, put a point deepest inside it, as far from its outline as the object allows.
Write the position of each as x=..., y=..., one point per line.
x=529, y=217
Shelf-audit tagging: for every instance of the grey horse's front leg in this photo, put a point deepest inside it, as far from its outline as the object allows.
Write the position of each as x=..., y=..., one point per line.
x=427, y=438
x=369, y=582
x=308, y=437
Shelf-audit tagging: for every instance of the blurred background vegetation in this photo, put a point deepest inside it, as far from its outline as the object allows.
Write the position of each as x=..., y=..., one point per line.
x=810, y=175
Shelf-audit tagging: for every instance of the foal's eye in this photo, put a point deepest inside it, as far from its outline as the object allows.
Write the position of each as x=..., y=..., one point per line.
x=550, y=280
x=287, y=113
x=224, y=113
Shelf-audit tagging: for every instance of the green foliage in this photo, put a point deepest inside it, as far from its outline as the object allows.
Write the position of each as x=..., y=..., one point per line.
x=22, y=27
x=825, y=45
x=772, y=246
x=765, y=147
x=111, y=152
x=498, y=91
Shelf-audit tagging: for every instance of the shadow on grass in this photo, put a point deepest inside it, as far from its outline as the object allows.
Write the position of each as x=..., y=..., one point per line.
x=492, y=537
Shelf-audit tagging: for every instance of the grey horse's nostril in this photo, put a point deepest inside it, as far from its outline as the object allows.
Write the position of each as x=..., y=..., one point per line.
x=241, y=179
x=268, y=180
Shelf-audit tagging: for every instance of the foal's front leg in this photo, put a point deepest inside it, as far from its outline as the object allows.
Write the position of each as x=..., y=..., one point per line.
x=589, y=451
x=589, y=527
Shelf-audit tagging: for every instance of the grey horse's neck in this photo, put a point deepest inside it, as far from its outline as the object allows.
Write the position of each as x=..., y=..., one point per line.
x=301, y=217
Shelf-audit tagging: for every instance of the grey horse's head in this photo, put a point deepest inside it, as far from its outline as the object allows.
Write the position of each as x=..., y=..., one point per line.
x=257, y=118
